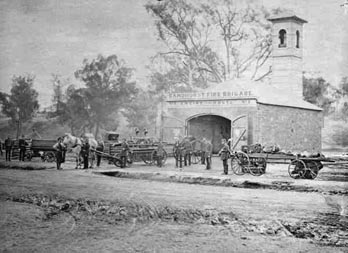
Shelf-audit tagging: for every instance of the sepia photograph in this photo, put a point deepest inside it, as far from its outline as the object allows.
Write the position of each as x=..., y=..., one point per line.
x=174, y=126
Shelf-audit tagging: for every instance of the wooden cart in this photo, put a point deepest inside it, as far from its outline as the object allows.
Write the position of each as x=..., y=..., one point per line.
x=146, y=153
x=300, y=167
x=43, y=149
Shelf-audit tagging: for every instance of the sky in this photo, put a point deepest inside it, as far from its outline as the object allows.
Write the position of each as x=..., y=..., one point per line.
x=43, y=37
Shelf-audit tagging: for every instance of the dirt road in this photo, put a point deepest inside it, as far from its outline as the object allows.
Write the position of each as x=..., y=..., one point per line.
x=187, y=218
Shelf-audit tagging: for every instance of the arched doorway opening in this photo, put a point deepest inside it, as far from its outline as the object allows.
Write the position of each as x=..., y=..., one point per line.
x=211, y=127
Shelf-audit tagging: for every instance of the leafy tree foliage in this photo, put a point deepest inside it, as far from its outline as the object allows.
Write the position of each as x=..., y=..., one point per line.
x=58, y=98
x=108, y=88
x=344, y=86
x=142, y=111
x=246, y=36
x=73, y=110
x=316, y=91
x=22, y=102
x=194, y=36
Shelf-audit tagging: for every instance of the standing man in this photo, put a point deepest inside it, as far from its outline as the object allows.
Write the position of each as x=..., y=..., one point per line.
x=1, y=147
x=224, y=153
x=203, y=148
x=8, y=148
x=160, y=154
x=85, y=153
x=22, y=146
x=124, y=153
x=100, y=149
x=208, y=153
x=187, y=152
x=177, y=153
x=60, y=152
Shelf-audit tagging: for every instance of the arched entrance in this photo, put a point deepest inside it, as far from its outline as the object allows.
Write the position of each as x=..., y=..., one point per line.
x=212, y=127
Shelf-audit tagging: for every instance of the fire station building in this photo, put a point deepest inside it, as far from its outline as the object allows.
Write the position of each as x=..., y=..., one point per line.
x=267, y=113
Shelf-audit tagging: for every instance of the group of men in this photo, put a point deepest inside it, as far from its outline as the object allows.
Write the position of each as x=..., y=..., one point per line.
x=9, y=146
x=183, y=151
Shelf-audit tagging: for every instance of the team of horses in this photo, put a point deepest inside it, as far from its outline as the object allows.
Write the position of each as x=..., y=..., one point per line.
x=75, y=144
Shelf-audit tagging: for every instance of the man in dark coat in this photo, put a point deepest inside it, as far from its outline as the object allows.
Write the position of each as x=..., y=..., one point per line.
x=124, y=153
x=22, y=146
x=60, y=152
x=85, y=153
x=1, y=147
x=224, y=153
x=160, y=154
x=177, y=150
x=100, y=148
x=203, y=148
x=8, y=148
x=208, y=153
x=187, y=152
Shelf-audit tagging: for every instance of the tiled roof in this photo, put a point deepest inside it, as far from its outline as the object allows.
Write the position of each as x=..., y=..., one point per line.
x=286, y=15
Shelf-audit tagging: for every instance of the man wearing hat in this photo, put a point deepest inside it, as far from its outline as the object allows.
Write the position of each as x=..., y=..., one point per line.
x=85, y=153
x=60, y=152
x=8, y=148
x=124, y=153
x=224, y=153
x=177, y=150
x=22, y=147
x=208, y=153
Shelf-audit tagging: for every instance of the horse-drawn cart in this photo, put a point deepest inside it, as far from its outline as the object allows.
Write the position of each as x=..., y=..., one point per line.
x=141, y=149
x=254, y=160
x=43, y=149
x=146, y=153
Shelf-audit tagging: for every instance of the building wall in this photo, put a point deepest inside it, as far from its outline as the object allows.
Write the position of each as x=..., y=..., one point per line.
x=293, y=129
x=175, y=119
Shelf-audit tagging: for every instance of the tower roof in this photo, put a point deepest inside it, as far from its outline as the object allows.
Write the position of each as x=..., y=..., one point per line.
x=287, y=15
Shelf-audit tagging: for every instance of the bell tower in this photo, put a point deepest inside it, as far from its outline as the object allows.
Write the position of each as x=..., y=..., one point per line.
x=287, y=37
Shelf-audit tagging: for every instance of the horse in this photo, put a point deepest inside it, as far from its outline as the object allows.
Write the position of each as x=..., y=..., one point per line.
x=75, y=143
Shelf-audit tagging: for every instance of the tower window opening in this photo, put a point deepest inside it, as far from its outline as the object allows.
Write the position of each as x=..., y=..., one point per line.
x=297, y=39
x=282, y=38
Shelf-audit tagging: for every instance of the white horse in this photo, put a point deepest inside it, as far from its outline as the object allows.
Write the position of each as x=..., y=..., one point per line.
x=75, y=143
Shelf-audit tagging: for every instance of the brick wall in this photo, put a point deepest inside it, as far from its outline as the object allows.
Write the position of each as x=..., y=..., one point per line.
x=292, y=129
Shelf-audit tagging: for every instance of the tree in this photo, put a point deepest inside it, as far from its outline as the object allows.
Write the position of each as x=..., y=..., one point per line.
x=193, y=35
x=108, y=89
x=58, y=98
x=316, y=91
x=142, y=111
x=73, y=111
x=343, y=86
x=186, y=36
x=246, y=36
x=22, y=102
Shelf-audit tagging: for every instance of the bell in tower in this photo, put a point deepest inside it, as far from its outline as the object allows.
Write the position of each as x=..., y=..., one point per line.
x=287, y=36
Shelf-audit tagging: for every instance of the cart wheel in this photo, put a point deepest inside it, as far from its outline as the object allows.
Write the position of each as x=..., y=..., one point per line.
x=117, y=162
x=312, y=169
x=29, y=156
x=297, y=169
x=130, y=159
x=50, y=157
x=148, y=158
x=154, y=157
x=239, y=162
x=258, y=166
